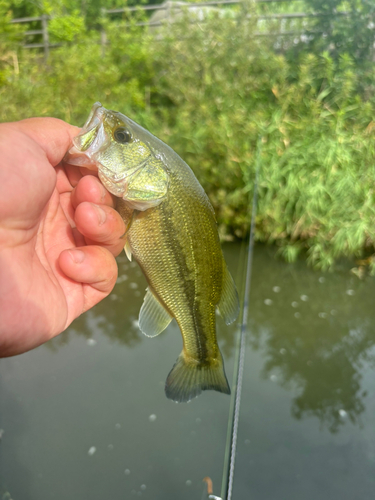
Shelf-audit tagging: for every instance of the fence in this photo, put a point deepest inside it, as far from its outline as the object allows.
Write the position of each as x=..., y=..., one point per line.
x=43, y=31
x=171, y=8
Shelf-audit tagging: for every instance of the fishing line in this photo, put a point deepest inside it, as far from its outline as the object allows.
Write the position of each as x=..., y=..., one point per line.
x=230, y=458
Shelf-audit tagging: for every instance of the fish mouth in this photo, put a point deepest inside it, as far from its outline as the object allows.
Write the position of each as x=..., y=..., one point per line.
x=88, y=142
x=94, y=117
x=94, y=137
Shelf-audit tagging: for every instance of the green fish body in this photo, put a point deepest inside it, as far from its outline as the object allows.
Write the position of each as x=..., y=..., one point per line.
x=173, y=236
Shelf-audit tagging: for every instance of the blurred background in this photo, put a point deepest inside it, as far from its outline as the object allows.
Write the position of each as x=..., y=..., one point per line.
x=85, y=416
x=208, y=79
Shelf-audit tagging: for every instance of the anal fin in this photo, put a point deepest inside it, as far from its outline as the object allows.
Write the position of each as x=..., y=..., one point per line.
x=229, y=305
x=153, y=318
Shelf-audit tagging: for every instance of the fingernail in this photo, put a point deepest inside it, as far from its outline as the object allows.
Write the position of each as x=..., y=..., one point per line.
x=102, y=216
x=77, y=256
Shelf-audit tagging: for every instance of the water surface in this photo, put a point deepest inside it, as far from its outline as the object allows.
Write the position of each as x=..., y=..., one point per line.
x=85, y=416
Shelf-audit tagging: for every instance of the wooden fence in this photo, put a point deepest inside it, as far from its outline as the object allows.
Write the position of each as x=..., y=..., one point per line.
x=170, y=9
x=42, y=31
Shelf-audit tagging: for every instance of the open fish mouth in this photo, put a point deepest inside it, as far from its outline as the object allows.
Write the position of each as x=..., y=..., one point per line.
x=89, y=141
x=109, y=144
x=94, y=117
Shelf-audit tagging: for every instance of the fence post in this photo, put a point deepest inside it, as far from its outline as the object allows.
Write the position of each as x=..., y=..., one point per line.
x=45, y=36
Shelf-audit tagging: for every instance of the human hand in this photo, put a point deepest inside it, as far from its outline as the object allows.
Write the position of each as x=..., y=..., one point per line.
x=59, y=234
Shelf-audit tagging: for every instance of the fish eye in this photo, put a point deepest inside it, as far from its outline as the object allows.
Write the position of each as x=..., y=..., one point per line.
x=122, y=135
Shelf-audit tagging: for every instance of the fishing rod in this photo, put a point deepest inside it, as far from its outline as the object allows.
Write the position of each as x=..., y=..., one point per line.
x=231, y=448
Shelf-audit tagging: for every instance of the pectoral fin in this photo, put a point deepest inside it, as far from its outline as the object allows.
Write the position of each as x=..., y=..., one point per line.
x=229, y=304
x=153, y=318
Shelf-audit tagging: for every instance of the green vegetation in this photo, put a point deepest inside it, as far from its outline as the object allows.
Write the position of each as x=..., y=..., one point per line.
x=210, y=90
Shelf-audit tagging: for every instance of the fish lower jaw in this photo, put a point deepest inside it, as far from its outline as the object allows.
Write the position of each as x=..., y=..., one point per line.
x=80, y=159
x=116, y=188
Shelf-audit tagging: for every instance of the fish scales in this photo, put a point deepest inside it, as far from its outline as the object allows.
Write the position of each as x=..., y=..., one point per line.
x=183, y=252
x=172, y=234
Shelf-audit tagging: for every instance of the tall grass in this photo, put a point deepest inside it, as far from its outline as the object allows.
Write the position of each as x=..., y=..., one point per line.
x=209, y=90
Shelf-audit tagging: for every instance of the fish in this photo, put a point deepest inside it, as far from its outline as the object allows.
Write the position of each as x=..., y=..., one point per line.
x=172, y=234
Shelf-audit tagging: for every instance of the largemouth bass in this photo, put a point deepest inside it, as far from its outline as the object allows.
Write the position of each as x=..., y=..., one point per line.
x=172, y=234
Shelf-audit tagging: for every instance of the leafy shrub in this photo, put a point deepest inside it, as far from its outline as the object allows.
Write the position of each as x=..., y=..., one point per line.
x=10, y=35
x=79, y=74
x=66, y=28
x=210, y=90
x=317, y=178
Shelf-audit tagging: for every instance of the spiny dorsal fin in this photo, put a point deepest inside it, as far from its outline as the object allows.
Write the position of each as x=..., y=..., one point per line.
x=153, y=318
x=229, y=305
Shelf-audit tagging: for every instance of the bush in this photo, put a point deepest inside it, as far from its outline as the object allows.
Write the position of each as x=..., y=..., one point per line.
x=210, y=90
x=79, y=74
x=317, y=177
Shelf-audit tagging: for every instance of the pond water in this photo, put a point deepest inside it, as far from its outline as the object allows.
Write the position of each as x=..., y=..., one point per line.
x=85, y=416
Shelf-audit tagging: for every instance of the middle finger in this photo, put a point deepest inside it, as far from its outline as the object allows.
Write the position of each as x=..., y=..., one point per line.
x=89, y=188
x=102, y=225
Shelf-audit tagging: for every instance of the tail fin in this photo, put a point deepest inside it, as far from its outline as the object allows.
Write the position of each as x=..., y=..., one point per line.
x=188, y=379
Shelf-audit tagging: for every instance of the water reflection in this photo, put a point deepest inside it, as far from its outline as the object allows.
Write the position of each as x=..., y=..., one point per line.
x=94, y=410
x=314, y=331
x=18, y=430
x=316, y=334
